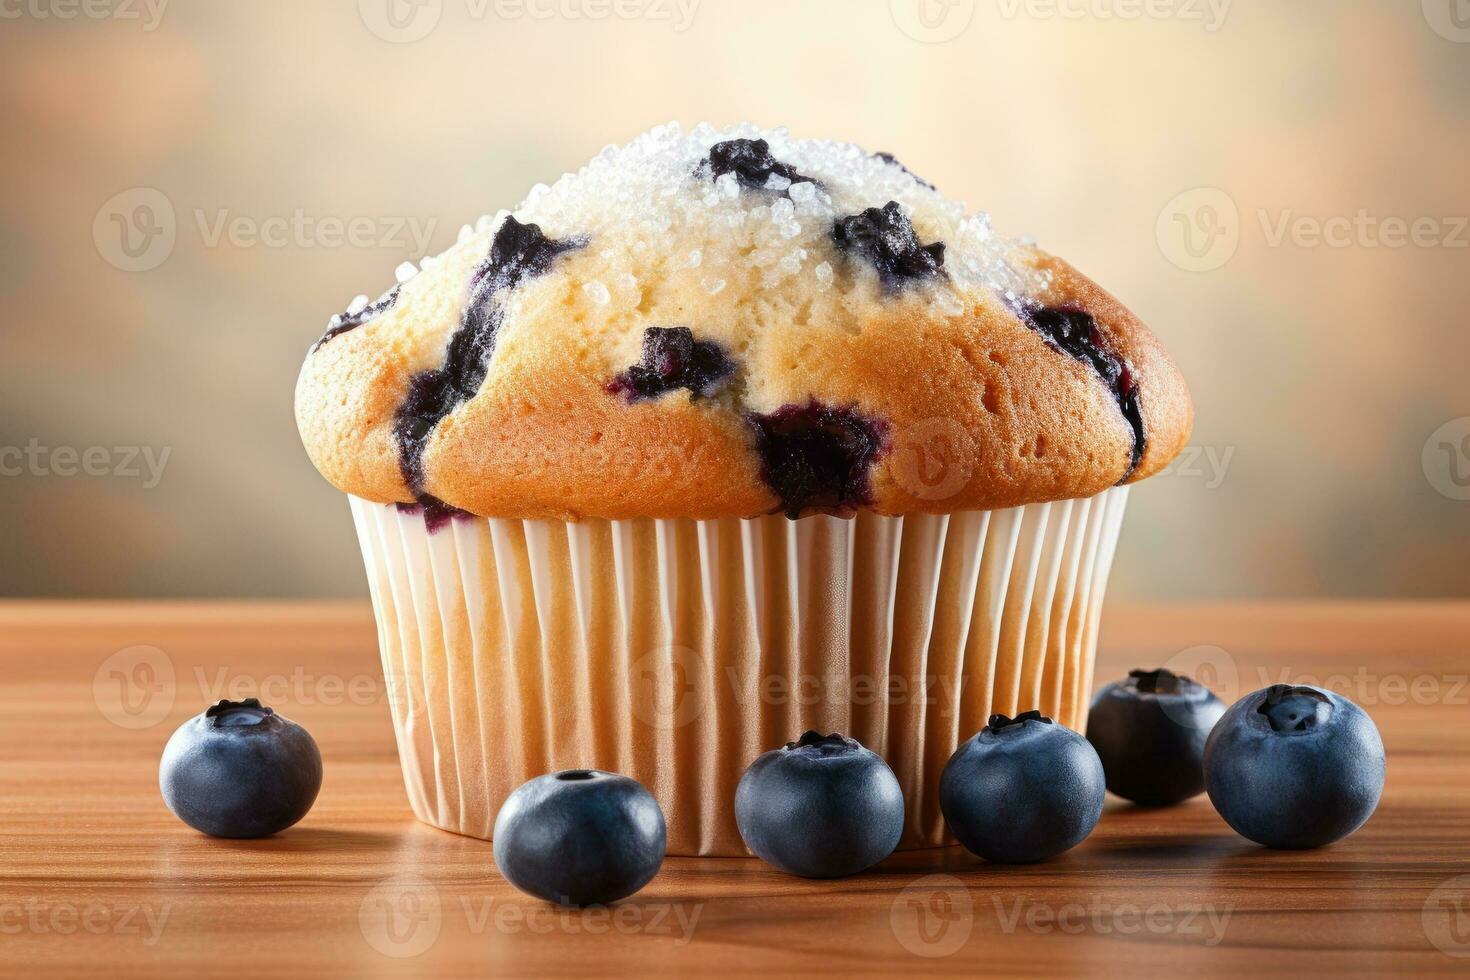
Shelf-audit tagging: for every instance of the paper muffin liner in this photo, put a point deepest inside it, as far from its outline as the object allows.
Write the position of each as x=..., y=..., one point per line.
x=676, y=651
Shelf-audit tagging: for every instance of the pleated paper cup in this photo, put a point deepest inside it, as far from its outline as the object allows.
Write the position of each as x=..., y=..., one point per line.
x=676, y=651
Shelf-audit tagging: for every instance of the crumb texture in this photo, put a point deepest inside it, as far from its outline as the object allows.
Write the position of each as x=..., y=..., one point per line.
x=729, y=323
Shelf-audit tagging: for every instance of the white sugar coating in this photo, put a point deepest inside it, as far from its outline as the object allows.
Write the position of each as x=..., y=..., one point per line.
x=597, y=292
x=647, y=196
x=657, y=226
x=358, y=304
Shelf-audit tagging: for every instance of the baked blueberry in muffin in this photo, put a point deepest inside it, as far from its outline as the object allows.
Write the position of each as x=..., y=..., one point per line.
x=735, y=323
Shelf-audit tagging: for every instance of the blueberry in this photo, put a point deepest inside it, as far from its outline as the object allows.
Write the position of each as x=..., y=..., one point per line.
x=1075, y=332
x=580, y=837
x=1294, y=767
x=240, y=770
x=892, y=160
x=820, y=807
x=518, y=252
x=673, y=359
x=751, y=163
x=817, y=455
x=1150, y=731
x=887, y=240
x=1023, y=790
x=343, y=322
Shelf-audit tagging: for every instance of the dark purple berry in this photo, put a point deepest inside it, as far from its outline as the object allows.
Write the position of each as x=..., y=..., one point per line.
x=1074, y=332
x=815, y=455
x=673, y=359
x=436, y=513
x=1294, y=767
x=240, y=770
x=885, y=238
x=580, y=837
x=1022, y=790
x=891, y=159
x=821, y=807
x=517, y=253
x=1150, y=730
x=343, y=322
x=750, y=161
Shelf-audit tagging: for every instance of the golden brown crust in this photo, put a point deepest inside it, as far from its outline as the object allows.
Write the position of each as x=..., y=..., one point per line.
x=980, y=412
x=974, y=408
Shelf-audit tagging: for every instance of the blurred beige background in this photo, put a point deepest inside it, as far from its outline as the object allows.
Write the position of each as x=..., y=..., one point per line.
x=191, y=188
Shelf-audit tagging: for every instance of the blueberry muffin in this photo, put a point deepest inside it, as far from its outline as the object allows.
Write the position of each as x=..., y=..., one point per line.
x=727, y=436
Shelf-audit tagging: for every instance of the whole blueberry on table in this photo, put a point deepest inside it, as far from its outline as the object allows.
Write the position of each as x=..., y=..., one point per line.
x=1022, y=790
x=1294, y=767
x=1150, y=730
x=240, y=770
x=580, y=837
x=820, y=807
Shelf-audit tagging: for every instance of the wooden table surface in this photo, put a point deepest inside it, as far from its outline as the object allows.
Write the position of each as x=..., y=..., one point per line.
x=98, y=879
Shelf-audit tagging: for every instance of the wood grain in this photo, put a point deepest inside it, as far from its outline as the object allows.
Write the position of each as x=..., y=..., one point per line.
x=98, y=879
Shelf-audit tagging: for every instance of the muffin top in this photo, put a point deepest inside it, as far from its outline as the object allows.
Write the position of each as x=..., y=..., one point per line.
x=736, y=323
